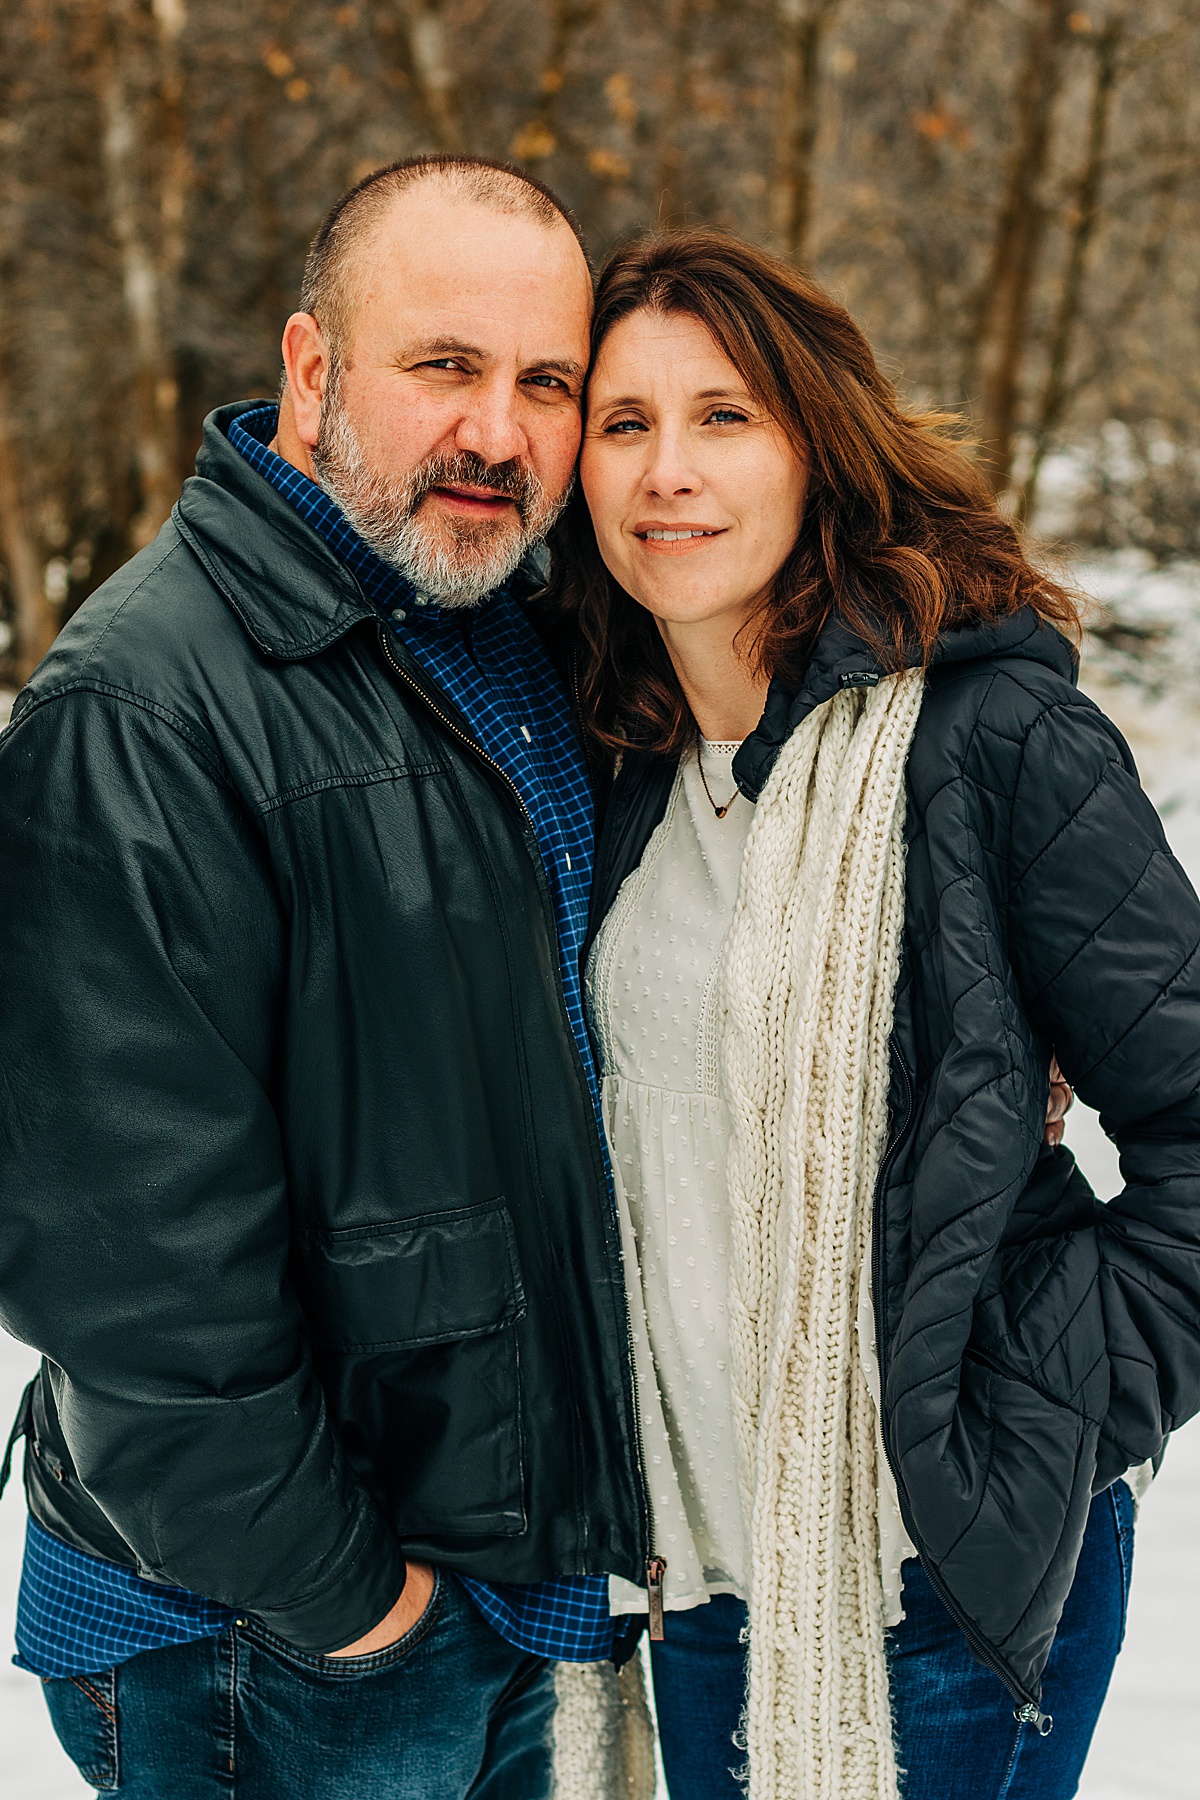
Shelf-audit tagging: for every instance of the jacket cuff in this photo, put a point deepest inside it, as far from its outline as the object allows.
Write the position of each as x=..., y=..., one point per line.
x=350, y=1607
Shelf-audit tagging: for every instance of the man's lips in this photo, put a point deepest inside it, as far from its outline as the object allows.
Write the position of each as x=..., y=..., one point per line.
x=484, y=501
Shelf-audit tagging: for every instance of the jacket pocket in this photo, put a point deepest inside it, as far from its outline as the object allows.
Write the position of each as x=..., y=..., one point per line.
x=414, y=1328
x=83, y=1711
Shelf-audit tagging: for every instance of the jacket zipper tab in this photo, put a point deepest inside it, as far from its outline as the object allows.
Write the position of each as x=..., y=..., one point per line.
x=1029, y=1714
x=656, y=1568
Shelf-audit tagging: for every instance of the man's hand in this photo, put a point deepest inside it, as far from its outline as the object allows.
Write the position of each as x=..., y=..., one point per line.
x=1062, y=1098
x=418, y=1591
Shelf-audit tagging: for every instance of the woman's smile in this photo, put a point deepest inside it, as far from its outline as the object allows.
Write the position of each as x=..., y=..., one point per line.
x=675, y=540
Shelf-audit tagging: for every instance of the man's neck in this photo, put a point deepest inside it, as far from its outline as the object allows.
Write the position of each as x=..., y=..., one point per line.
x=287, y=441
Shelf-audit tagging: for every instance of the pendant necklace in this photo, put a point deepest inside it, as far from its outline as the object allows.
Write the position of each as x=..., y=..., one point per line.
x=719, y=810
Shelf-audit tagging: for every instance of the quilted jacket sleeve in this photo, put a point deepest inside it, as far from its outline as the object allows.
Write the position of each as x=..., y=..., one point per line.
x=1105, y=942
x=143, y=1203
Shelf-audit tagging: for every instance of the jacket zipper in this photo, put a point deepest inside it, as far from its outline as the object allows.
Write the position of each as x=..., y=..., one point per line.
x=1028, y=1710
x=654, y=1565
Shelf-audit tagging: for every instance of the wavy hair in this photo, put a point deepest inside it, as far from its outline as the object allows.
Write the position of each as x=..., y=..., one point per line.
x=901, y=535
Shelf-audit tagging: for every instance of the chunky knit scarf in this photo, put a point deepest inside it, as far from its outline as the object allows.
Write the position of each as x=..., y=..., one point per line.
x=809, y=975
x=808, y=978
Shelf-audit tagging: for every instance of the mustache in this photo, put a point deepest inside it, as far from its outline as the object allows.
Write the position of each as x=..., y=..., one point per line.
x=512, y=480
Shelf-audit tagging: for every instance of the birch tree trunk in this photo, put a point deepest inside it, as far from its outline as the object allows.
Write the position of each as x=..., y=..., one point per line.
x=150, y=240
x=33, y=622
x=431, y=69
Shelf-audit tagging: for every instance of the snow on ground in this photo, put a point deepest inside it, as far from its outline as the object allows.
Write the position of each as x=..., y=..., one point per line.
x=1142, y=665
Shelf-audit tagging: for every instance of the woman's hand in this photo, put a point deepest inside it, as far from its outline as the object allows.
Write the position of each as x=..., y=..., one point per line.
x=418, y=1591
x=1062, y=1099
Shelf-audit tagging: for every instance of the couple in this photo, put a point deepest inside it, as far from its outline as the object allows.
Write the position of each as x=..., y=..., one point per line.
x=530, y=1101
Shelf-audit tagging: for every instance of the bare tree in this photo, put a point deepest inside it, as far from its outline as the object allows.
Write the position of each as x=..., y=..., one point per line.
x=150, y=237
x=1009, y=283
x=33, y=623
x=1085, y=218
x=802, y=26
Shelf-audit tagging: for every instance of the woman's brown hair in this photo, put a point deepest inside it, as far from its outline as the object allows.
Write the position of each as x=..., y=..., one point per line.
x=901, y=535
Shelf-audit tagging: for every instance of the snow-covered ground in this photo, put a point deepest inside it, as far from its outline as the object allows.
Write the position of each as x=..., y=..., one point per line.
x=1142, y=665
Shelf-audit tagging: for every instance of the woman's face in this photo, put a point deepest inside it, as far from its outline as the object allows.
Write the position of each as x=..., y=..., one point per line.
x=695, y=493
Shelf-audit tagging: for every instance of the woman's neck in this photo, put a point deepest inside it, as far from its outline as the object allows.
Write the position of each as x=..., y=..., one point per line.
x=726, y=696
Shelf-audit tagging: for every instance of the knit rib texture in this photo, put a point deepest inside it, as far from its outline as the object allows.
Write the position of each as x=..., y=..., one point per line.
x=809, y=975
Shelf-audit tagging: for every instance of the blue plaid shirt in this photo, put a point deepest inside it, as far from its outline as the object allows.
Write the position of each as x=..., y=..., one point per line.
x=76, y=1613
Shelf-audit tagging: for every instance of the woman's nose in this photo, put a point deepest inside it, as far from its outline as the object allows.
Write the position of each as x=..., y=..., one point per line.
x=670, y=473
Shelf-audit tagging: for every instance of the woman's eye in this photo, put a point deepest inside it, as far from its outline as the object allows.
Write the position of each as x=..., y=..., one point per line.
x=623, y=426
x=726, y=415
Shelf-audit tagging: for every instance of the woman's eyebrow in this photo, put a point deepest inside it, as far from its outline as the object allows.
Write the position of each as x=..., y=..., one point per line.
x=725, y=393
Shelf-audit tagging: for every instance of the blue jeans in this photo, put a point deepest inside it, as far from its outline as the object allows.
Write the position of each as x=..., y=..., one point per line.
x=956, y=1737
x=448, y=1712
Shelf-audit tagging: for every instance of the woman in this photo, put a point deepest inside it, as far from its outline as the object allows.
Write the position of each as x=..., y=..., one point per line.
x=868, y=864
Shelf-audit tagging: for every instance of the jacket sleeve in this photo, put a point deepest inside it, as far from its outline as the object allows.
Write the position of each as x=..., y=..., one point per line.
x=144, y=1223
x=1105, y=941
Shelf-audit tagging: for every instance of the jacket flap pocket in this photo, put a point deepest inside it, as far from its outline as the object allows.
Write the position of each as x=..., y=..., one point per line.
x=429, y=1280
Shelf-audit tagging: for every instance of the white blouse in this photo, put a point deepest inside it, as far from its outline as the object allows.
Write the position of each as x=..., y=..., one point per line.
x=651, y=992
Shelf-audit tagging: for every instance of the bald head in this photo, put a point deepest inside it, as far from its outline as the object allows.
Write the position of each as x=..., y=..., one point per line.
x=329, y=287
x=435, y=375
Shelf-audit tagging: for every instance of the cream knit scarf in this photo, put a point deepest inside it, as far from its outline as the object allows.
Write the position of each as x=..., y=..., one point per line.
x=808, y=977
x=809, y=974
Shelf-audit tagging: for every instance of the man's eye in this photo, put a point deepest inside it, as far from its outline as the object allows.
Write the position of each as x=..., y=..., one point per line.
x=442, y=362
x=546, y=381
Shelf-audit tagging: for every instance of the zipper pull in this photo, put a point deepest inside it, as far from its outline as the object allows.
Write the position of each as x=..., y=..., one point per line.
x=1029, y=1714
x=656, y=1568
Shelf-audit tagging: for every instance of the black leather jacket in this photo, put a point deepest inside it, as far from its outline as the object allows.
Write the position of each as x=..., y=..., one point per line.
x=301, y=1194
x=1035, y=1343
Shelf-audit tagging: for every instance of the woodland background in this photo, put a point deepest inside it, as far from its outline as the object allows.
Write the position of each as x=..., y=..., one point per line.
x=1005, y=192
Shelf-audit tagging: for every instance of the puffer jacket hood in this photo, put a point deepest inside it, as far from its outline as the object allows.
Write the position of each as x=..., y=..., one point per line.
x=841, y=659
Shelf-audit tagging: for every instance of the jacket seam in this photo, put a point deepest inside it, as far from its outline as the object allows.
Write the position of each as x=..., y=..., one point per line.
x=1149, y=1007
x=1098, y=928
x=269, y=803
x=141, y=703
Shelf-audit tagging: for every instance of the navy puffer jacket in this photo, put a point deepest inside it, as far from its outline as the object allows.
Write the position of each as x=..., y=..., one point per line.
x=1035, y=1341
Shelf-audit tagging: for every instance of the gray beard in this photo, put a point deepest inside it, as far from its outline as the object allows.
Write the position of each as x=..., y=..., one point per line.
x=456, y=563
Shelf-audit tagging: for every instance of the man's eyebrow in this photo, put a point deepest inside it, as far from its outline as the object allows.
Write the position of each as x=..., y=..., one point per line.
x=456, y=347
x=560, y=366
x=444, y=347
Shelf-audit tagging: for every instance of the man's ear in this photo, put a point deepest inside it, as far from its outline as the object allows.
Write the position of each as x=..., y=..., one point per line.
x=307, y=360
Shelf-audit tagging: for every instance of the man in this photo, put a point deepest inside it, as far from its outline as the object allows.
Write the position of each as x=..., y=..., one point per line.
x=302, y=1194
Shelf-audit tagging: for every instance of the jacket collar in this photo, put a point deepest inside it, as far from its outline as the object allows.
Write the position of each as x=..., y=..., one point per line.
x=293, y=595
x=842, y=660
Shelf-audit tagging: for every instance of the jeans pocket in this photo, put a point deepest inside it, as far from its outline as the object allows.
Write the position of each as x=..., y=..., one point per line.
x=344, y=1668
x=83, y=1711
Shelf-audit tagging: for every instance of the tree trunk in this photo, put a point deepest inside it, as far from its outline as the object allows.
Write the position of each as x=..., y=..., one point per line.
x=803, y=25
x=149, y=268
x=1055, y=391
x=1002, y=338
x=672, y=208
x=432, y=72
x=34, y=624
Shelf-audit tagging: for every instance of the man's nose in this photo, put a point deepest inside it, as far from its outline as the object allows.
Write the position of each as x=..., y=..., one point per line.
x=490, y=426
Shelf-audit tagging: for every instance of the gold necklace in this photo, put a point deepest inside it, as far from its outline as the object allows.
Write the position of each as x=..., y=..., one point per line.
x=719, y=810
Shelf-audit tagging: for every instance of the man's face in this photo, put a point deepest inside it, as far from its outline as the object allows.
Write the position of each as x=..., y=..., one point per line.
x=447, y=424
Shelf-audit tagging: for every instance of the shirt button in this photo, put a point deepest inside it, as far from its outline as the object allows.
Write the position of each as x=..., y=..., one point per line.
x=399, y=616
